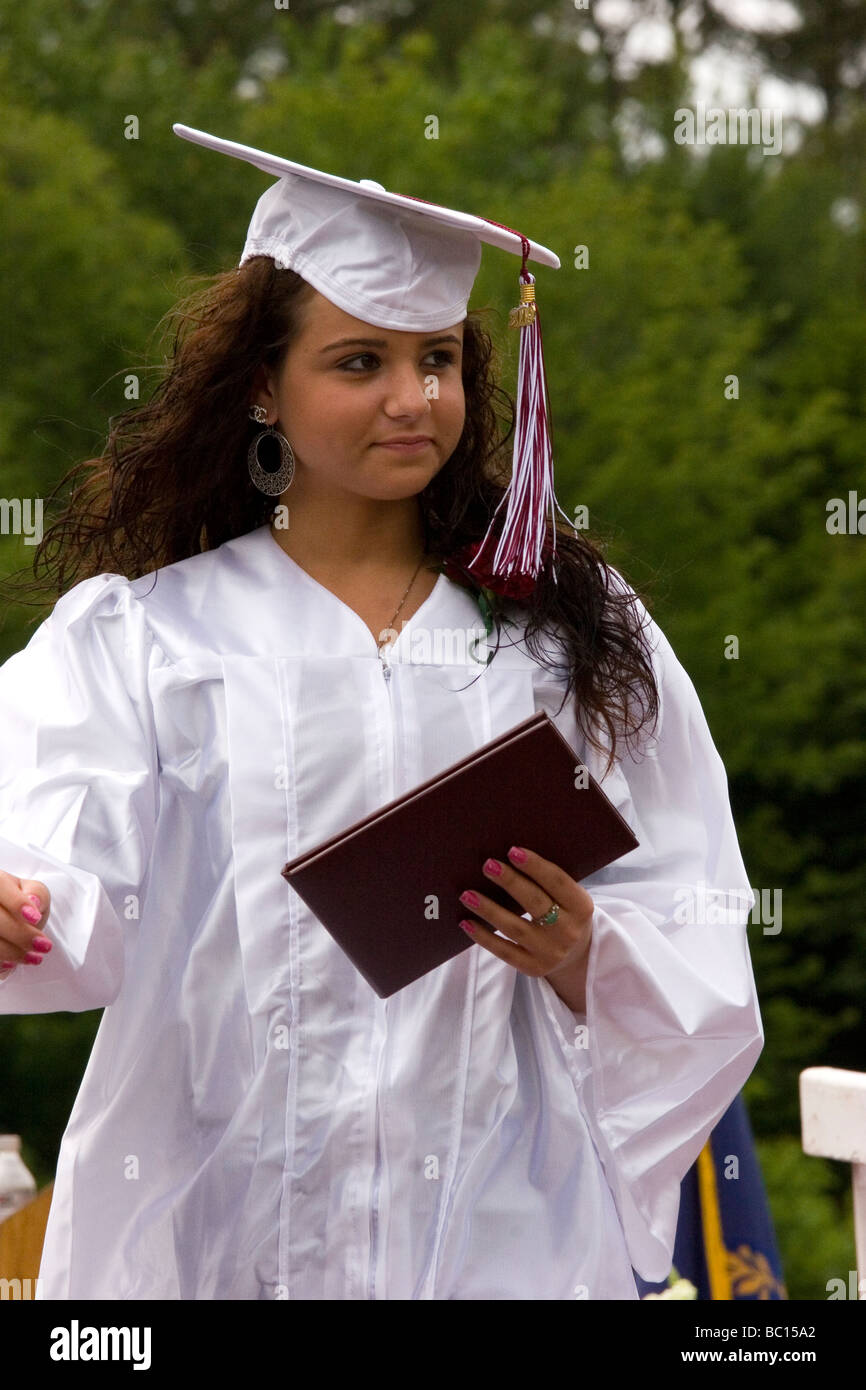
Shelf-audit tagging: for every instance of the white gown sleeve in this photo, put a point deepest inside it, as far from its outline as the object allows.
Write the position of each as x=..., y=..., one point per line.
x=672, y=1028
x=79, y=788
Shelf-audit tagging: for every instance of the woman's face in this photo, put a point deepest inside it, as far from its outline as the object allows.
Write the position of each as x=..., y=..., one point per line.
x=348, y=391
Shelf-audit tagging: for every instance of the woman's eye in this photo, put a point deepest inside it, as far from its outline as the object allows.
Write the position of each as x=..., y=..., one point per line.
x=366, y=357
x=445, y=355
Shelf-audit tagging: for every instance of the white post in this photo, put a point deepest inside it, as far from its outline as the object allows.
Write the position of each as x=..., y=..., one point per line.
x=833, y=1116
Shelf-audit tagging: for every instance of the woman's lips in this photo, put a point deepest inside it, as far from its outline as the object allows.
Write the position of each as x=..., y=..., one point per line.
x=402, y=447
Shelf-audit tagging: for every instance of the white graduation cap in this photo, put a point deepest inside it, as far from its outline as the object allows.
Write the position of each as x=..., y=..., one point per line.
x=402, y=263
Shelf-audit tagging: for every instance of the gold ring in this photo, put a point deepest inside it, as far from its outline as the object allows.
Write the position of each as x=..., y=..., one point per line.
x=549, y=917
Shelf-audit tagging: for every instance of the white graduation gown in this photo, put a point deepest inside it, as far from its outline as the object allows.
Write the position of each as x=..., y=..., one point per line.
x=254, y=1122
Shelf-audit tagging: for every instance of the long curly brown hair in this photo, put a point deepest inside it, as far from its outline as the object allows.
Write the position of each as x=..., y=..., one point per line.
x=173, y=481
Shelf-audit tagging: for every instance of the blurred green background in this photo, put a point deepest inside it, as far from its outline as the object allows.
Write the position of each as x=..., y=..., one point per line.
x=704, y=265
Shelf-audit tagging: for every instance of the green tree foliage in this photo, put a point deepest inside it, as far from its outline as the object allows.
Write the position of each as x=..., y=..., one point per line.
x=823, y=43
x=814, y=1221
x=77, y=291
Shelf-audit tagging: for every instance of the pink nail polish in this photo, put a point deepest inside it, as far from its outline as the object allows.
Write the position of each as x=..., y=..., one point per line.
x=468, y=928
x=40, y=943
x=31, y=915
x=470, y=899
x=7, y=965
x=492, y=866
x=35, y=901
x=33, y=958
x=518, y=855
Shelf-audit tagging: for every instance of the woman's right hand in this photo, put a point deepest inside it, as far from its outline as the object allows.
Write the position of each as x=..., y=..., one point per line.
x=24, y=907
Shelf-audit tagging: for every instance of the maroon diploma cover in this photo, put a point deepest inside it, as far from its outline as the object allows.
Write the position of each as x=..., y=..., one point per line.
x=387, y=888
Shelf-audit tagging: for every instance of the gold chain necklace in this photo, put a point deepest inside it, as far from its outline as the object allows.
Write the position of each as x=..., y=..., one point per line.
x=382, y=640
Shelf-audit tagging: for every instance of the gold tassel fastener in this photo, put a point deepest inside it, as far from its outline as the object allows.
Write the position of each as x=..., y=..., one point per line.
x=526, y=311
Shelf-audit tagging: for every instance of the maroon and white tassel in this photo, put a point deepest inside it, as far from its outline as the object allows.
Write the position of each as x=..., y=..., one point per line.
x=530, y=494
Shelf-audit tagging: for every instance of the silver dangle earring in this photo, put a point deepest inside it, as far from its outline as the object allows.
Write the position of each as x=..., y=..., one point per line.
x=276, y=482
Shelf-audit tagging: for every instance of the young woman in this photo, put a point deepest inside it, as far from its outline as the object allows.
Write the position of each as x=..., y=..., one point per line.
x=254, y=1121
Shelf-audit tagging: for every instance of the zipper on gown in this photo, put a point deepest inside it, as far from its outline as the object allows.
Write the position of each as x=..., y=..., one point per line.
x=377, y=1161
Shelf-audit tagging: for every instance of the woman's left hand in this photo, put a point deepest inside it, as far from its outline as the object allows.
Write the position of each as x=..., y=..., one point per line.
x=559, y=952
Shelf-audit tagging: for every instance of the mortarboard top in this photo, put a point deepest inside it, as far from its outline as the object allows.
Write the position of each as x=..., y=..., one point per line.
x=391, y=260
